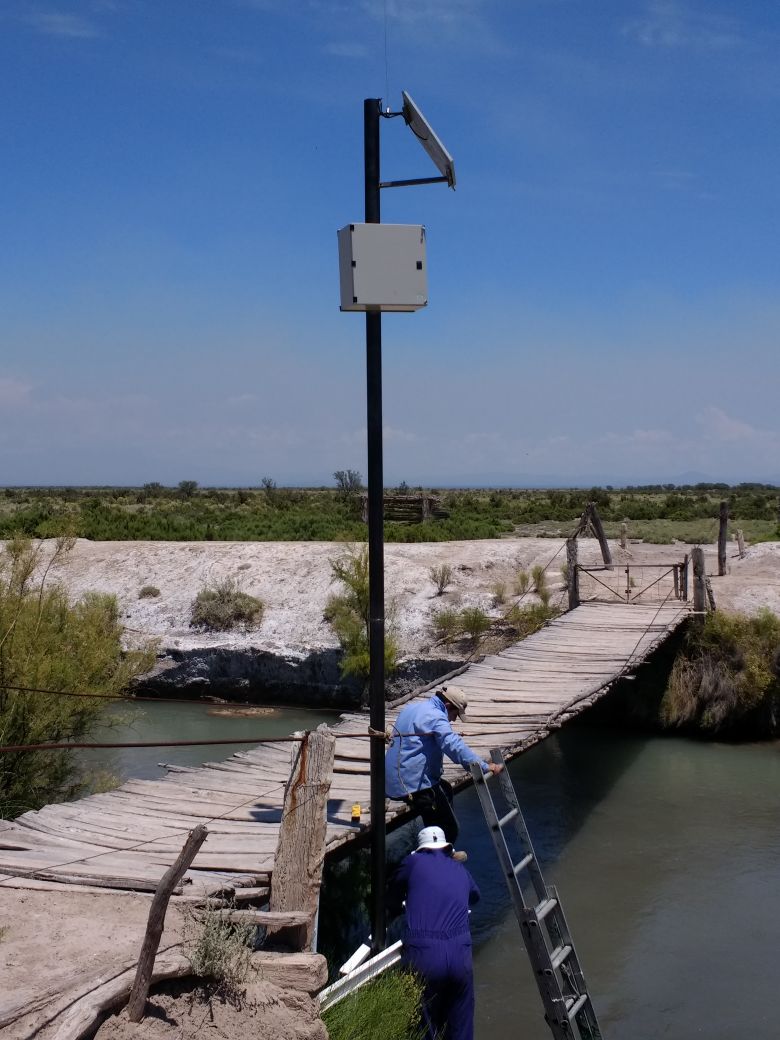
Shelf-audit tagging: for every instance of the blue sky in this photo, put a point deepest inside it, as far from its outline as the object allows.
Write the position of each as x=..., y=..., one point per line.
x=602, y=283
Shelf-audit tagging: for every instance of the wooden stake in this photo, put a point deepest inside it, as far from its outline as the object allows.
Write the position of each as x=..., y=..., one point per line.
x=624, y=535
x=572, y=574
x=295, y=884
x=156, y=922
x=723, y=534
x=741, y=543
x=598, y=530
x=699, y=583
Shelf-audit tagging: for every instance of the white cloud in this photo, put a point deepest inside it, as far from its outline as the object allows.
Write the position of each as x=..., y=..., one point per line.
x=720, y=426
x=669, y=25
x=55, y=23
x=14, y=393
x=346, y=50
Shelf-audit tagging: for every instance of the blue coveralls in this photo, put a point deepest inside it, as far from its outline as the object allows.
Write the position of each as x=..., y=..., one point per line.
x=437, y=944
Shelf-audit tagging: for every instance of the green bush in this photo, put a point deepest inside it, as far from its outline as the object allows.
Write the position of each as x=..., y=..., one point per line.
x=728, y=669
x=447, y=625
x=539, y=578
x=51, y=644
x=149, y=592
x=475, y=622
x=219, y=951
x=522, y=582
x=225, y=606
x=441, y=576
x=387, y=1008
x=524, y=621
x=347, y=613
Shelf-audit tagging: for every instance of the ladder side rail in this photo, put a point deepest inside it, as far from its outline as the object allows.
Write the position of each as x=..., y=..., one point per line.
x=509, y=793
x=553, y=999
x=572, y=973
x=499, y=842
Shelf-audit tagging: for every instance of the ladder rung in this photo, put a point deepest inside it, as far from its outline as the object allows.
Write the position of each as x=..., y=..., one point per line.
x=573, y=1007
x=545, y=907
x=509, y=816
x=523, y=863
x=559, y=955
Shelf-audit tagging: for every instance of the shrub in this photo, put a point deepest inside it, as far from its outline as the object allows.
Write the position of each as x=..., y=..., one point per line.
x=51, y=644
x=387, y=1008
x=538, y=577
x=447, y=625
x=441, y=576
x=527, y=620
x=219, y=951
x=544, y=596
x=224, y=606
x=149, y=592
x=522, y=582
x=499, y=593
x=474, y=622
x=729, y=667
x=348, y=615
x=565, y=573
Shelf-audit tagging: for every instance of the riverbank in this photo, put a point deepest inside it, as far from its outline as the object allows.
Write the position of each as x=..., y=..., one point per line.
x=294, y=649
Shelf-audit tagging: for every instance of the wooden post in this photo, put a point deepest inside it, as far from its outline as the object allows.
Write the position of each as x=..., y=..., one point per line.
x=156, y=922
x=722, y=537
x=741, y=543
x=699, y=582
x=710, y=594
x=684, y=579
x=676, y=571
x=300, y=852
x=572, y=574
x=624, y=535
x=598, y=530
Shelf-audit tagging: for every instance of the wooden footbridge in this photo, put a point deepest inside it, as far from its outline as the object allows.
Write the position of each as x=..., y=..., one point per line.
x=125, y=839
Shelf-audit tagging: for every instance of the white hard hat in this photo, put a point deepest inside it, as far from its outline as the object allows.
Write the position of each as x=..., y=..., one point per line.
x=431, y=838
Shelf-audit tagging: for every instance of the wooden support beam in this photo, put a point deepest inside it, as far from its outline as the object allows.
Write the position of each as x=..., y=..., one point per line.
x=598, y=530
x=699, y=583
x=624, y=535
x=305, y=972
x=272, y=920
x=741, y=543
x=572, y=574
x=156, y=921
x=723, y=534
x=297, y=876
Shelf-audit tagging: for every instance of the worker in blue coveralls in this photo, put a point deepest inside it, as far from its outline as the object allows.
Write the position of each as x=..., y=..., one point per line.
x=420, y=738
x=437, y=943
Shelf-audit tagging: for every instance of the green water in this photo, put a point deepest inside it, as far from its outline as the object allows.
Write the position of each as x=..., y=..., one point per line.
x=666, y=853
x=149, y=721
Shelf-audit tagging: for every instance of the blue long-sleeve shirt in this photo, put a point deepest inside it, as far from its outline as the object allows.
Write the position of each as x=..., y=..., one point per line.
x=422, y=735
x=438, y=892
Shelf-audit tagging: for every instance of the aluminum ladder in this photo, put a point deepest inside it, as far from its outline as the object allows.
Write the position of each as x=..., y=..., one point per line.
x=568, y=1009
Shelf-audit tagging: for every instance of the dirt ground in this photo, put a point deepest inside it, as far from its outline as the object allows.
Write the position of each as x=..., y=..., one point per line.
x=293, y=579
x=176, y=1012
x=48, y=938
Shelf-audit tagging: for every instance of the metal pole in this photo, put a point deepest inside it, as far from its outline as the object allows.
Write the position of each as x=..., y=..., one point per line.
x=376, y=561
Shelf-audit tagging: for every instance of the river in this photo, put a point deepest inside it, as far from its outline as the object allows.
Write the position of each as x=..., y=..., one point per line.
x=665, y=852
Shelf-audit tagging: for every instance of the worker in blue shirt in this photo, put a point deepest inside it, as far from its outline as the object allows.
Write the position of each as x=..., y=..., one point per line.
x=420, y=738
x=438, y=891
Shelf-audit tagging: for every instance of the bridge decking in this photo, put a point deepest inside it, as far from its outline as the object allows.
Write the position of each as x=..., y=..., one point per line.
x=125, y=839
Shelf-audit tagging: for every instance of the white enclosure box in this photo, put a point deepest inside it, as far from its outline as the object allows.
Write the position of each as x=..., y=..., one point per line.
x=382, y=267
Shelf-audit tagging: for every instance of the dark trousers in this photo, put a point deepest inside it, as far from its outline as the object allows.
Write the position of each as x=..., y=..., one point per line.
x=446, y=969
x=434, y=805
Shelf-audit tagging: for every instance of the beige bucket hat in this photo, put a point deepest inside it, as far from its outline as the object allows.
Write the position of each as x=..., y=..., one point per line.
x=455, y=696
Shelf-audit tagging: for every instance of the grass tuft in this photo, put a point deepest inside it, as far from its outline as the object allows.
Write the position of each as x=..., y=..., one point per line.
x=387, y=1008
